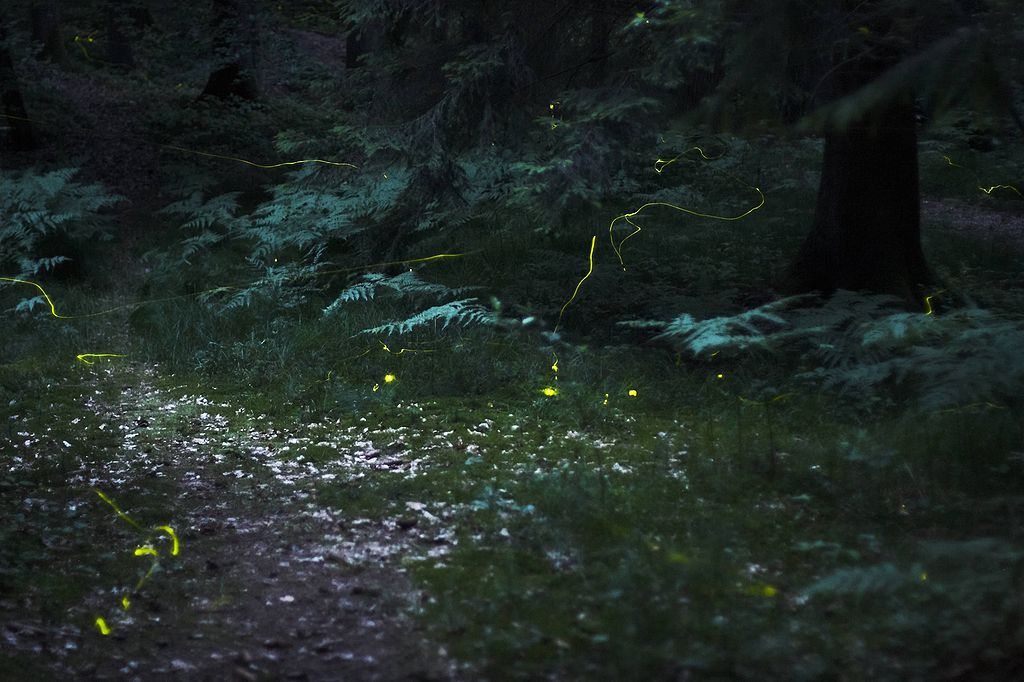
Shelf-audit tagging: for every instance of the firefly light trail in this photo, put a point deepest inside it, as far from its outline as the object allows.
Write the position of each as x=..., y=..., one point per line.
x=146, y=549
x=260, y=165
x=628, y=217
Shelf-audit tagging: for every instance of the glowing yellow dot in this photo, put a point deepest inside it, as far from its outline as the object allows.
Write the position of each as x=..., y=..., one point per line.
x=376, y=387
x=769, y=591
x=389, y=378
x=924, y=576
x=605, y=401
x=102, y=625
x=720, y=376
x=632, y=393
x=125, y=602
x=549, y=391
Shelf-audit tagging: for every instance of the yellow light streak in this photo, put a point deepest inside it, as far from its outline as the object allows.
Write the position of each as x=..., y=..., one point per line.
x=102, y=626
x=46, y=296
x=81, y=357
x=143, y=550
x=137, y=304
x=384, y=347
x=260, y=165
x=85, y=39
x=549, y=391
x=660, y=164
x=989, y=190
x=628, y=217
x=124, y=517
x=593, y=243
x=174, y=538
x=928, y=301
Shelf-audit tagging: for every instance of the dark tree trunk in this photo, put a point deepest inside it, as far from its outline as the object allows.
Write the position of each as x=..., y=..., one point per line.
x=46, y=31
x=601, y=24
x=20, y=136
x=119, y=25
x=866, y=232
x=236, y=76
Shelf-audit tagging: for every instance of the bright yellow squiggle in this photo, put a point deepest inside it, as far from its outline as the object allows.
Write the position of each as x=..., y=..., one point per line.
x=660, y=164
x=628, y=217
x=989, y=190
x=121, y=515
x=384, y=347
x=81, y=357
x=260, y=165
x=174, y=538
x=593, y=243
x=143, y=550
x=136, y=304
x=87, y=39
x=46, y=296
x=928, y=302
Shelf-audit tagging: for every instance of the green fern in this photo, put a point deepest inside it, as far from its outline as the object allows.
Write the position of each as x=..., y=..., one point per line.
x=404, y=284
x=37, y=207
x=861, y=345
x=464, y=312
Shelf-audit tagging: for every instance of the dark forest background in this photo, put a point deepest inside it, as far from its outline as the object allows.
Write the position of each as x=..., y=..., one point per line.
x=788, y=233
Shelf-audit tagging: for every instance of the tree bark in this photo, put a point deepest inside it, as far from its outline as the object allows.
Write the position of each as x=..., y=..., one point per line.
x=47, y=32
x=20, y=136
x=866, y=233
x=119, y=41
x=236, y=76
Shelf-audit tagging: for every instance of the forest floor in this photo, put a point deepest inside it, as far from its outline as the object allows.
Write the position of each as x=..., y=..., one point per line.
x=267, y=584
x=718, y=536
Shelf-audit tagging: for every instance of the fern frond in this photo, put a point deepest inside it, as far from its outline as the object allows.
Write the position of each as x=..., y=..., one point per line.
x=463, y=312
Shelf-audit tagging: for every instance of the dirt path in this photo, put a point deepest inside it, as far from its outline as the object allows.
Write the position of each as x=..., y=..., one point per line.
x=268, y=584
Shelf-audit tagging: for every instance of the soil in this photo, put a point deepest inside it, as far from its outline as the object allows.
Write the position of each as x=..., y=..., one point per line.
x=263, y=588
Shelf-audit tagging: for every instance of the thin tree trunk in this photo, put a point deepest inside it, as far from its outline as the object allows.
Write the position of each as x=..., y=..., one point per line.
x=119, y=42
x=20, y=136
x=46, y=31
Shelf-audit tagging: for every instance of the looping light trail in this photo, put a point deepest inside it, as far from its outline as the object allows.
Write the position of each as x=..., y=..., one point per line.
x=628, y=217
x=146, y=549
